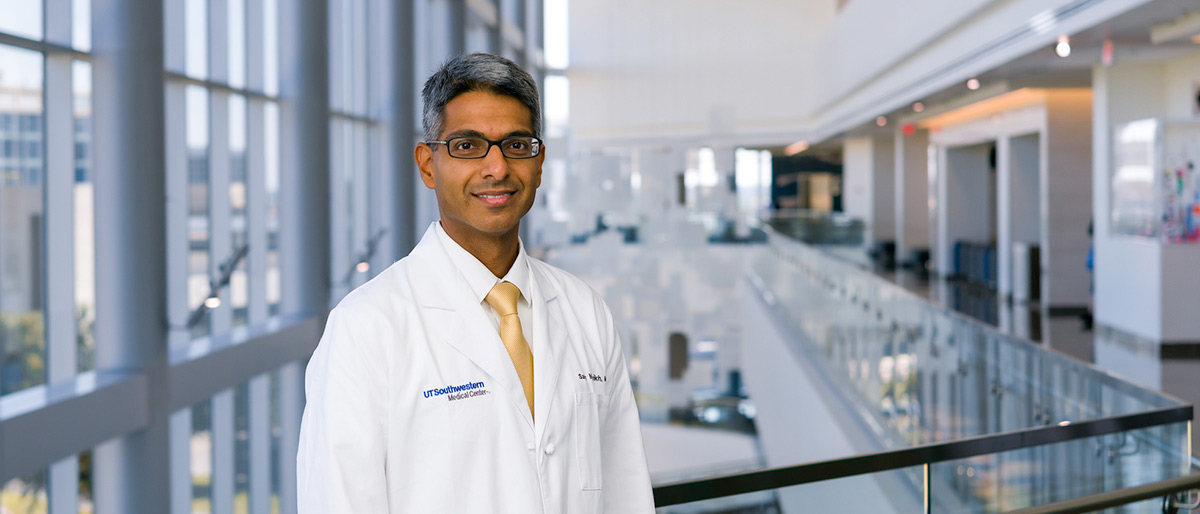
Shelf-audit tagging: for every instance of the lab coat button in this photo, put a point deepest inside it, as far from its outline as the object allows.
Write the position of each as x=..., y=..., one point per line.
x=549, y=448
x=531, y=446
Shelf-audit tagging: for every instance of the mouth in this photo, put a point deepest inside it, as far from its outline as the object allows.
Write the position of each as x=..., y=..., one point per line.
x=495, y=198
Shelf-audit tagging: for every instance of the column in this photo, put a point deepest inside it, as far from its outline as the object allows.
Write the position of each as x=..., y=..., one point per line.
x=131, y=472
x=1066, y=199
x=912, y=193
x=59, y=173
x=304, y=202
x=396, y=196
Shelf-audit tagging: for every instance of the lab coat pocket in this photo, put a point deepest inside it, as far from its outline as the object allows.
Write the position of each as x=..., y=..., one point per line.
x=589, y=410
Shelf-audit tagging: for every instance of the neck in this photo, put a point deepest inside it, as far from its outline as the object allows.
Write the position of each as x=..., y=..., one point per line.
x=496, y=252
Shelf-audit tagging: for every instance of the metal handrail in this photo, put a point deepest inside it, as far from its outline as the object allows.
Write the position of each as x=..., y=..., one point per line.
x=774, y=478
x=1117, y=497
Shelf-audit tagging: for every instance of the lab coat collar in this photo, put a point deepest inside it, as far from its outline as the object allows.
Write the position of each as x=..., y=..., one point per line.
x=453, y=312
x=479, y=277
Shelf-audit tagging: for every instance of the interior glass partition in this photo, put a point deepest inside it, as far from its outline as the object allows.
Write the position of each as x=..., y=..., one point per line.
x=995, y=423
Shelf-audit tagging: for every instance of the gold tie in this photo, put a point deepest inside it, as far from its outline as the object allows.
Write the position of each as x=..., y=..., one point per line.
x=503, y=298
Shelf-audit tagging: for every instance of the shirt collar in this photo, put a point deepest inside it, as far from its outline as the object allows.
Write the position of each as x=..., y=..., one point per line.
x=479, y=278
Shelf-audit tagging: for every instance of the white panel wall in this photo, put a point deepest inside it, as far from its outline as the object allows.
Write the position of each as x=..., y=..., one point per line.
x=912, y=192
x=1066, y=203
x=965, y=201
x=858, y=179
x=883, y=164
x=1181, y=271
x=868, y=187
x=1128, y=273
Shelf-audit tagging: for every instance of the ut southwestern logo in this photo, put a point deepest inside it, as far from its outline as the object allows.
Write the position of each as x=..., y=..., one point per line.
x=467, y=390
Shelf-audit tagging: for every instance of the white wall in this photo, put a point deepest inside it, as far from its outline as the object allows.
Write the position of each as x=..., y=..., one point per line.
x=1125, y=269
x=912, y=192
x=883, y=166
x=1019, y=200
x=964, y=201
x=858, y=179
x=868, y=184
x=1066, y=203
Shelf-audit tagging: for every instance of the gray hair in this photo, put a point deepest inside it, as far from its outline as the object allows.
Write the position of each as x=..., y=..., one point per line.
x=477, y=72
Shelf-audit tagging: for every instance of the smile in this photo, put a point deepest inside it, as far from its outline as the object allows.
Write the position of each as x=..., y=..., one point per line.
x=495, y=199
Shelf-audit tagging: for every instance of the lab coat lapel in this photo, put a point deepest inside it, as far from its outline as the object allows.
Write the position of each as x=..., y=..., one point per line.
x=549, y=335
x=457, y=319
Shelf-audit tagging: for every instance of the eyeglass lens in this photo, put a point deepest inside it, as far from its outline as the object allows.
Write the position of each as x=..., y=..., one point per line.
x=475, y=147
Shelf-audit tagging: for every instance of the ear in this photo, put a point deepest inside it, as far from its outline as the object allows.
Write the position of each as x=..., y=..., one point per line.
x=423, y=154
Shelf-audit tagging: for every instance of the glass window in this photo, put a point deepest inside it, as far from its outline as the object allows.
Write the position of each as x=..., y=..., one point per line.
x=196, y=38
x=86, y=505
x=81, y=24
x=237, y=42
x=22, y=241
x=271, y=132
x=201, y=450
x=276, y=443
x=22, y=18
x=25, y=494
x=197, y=99
x=238, y=287
x=241, y=448
x=85, y=226
x=270, y=47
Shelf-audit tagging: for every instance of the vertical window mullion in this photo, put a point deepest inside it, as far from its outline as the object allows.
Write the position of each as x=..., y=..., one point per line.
x=339, y=260
x=360, y=204
x=337, y=72
x=59, y=173
x=260, y=444
x=256, y=211
x=174, y=41
x=219, y=218
x=60, y=251
x=360, y=32
x=222, y=452
x=178, y=269
x=181, y=461
x=255, y=46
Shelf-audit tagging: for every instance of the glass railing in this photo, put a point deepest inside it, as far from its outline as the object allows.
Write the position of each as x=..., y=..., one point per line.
x=968, y=419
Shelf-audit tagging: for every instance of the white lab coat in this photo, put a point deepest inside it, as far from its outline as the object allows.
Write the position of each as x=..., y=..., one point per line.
x=381, y=434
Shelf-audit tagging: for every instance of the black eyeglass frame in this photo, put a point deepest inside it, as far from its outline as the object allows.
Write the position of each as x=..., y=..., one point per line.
x=534, y=143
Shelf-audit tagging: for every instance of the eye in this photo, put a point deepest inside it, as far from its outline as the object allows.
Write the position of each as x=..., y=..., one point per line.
x=517, y=144
x=465, y=145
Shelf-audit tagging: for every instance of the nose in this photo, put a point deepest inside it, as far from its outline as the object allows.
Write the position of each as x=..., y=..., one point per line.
x=495, y=165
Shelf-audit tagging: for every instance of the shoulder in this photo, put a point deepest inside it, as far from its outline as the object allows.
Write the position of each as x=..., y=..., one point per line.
x=382, y=301
x=562, y=283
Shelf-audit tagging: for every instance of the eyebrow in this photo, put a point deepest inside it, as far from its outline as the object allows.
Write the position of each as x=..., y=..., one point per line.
x=476, y=133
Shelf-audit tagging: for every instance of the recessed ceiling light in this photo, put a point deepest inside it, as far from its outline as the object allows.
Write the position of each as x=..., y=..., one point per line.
x=918, y=107
x=973, y=83
x=1063, y=48
x=795, y=148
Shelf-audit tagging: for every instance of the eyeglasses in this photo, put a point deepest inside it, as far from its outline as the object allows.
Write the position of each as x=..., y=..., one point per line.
x=516, y=147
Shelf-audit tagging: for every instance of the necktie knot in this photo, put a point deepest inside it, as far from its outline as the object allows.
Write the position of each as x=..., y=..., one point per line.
x=503, y=298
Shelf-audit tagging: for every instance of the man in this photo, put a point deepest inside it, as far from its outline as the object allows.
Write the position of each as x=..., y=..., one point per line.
x=470, y=377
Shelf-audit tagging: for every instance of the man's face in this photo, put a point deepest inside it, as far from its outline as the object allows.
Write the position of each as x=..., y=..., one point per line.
x=481, y=197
